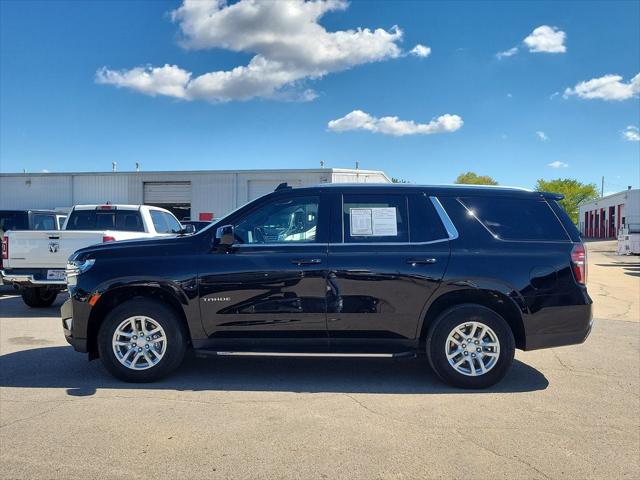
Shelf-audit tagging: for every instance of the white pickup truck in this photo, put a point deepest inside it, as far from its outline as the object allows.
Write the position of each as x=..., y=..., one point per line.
x=35, y=261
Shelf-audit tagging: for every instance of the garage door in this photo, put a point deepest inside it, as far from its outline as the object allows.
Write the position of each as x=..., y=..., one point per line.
x=257, y=188
x=167, y=193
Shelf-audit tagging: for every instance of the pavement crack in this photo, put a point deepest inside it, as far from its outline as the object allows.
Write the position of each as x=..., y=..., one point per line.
x=39, y=414
x=362, y=405
x=498, y=454
x=564, y=365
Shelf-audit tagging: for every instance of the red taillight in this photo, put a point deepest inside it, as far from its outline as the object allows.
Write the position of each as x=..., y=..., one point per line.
x=106, y=207
x=5, y=248
x=108, y=238
x=579, y=263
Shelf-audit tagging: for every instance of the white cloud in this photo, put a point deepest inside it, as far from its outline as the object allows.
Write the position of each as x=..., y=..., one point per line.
x=631, y=134
x=420, y=51
x=288, y=43
x=608, y=87
x=169, y=80
x=542, y=136
x=507, y=53
x=359, y=120
x=557, y=164
x=553, y=95
x=546, y=39
x=509, y=95
x=543, y=39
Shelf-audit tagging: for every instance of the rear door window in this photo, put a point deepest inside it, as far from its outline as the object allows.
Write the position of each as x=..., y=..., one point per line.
x=375, y=218
x=425, y=223
x=511, y=218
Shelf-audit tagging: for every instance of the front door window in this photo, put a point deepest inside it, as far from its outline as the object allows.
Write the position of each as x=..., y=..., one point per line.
x=281, y=221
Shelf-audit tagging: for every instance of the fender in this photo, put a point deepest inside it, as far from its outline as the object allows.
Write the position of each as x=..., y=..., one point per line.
x=184, y=293
x=478, y=284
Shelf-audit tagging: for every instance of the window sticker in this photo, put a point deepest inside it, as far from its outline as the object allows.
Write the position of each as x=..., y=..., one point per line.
x=376, y=222
x=361, y=223
x=385, y=223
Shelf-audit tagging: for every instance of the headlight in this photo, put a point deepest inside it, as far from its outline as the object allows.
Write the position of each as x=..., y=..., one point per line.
x=75, y=268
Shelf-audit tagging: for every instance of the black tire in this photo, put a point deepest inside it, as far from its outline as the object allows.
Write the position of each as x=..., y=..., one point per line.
x=436, y=343
x=39, y=297
x=166, y=317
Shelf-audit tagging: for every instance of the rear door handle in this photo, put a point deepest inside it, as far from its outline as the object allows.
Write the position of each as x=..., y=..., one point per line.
x=421, y=261
x=306, y=261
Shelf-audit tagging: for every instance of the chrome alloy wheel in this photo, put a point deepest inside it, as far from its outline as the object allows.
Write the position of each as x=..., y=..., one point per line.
x=472, y=349
x=139, y=343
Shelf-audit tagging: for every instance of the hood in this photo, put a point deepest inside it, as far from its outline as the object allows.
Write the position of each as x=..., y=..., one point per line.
x=140, y=247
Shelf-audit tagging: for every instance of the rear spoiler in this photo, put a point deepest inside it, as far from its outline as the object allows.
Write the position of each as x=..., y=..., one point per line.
x=552, y=196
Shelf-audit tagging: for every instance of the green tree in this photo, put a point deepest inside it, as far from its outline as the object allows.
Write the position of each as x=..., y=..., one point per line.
x=472, y=178
x=574, y=192
x=398, y=180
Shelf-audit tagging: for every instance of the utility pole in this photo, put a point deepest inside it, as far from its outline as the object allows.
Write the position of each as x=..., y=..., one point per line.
x=602, y=188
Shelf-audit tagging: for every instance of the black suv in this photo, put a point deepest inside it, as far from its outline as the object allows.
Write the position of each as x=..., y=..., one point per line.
x=464, y=274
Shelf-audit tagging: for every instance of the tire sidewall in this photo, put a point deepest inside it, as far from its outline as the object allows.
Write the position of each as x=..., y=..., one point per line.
x=165, y=317
x=38, y=297
x=451, y=318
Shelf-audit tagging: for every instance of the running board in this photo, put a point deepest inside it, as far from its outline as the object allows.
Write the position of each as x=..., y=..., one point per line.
x=215, y=353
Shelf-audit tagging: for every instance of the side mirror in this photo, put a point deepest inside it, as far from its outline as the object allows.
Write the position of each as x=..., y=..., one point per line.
x=225, y=235
x=188, y=229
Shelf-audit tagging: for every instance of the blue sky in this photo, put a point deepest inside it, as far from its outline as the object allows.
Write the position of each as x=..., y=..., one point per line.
x=56, y=116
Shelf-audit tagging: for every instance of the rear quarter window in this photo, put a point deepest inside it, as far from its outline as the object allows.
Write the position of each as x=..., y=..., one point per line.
x=510, y=218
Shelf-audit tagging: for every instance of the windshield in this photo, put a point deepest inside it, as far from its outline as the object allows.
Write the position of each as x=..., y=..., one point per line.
x=123, y=220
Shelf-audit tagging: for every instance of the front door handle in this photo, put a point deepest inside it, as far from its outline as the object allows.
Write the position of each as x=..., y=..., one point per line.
x=306, y=261
x=421, y=261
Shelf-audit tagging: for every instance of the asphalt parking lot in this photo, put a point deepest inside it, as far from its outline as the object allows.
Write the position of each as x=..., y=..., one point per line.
x=570, y=412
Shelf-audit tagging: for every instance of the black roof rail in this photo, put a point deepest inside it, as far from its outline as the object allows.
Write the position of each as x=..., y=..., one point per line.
x=282, y=186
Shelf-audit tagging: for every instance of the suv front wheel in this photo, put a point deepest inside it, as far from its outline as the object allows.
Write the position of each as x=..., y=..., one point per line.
x=141, y=340
x=470, y=346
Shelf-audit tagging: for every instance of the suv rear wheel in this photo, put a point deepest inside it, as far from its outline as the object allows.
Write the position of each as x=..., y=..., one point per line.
x=141, y=340
x=39, y=297
x=470, y=346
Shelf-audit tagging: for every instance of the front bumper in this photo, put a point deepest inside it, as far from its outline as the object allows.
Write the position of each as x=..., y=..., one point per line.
x=30, y=277
x=79, y=344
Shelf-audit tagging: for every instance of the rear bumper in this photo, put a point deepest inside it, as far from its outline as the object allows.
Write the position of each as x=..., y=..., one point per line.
x=29, y=277
x=79, y=344
x=558, y=326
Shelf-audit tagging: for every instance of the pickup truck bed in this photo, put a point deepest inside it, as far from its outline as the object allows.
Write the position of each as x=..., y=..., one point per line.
x=35, y=261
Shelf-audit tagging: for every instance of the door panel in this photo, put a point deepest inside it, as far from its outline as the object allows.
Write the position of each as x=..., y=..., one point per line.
x=270, y=286
x=377, y=292
x=266, y=292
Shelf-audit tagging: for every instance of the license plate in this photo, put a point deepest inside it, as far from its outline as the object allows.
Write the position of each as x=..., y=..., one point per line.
x=55, y=275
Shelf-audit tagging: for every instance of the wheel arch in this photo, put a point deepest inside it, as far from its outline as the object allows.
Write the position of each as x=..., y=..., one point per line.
x=116, y=296
x=495, y=300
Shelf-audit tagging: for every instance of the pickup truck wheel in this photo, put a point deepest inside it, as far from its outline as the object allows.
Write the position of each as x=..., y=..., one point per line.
x=39, y=297
x=470, y=346
x=141, y=340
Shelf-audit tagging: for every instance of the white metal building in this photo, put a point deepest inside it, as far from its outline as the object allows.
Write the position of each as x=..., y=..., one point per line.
x=197, y=195
x=606, y=216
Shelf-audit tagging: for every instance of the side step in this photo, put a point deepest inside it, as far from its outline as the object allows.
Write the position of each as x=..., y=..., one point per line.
x=202, y=353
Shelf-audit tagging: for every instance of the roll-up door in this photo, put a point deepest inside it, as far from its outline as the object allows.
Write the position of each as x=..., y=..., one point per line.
x=167, y=193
